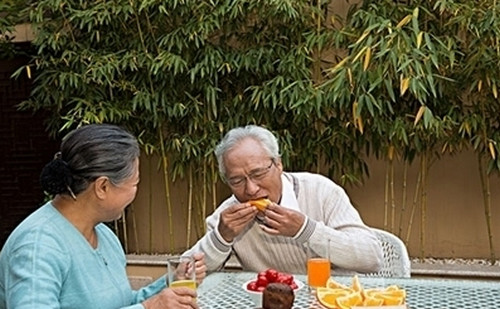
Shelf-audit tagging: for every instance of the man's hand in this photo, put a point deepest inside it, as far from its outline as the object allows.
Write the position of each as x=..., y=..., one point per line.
x=200, y=267
x=234, y=219
x=282, y=221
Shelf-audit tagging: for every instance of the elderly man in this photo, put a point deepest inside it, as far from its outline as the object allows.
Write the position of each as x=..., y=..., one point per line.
x=306, y=210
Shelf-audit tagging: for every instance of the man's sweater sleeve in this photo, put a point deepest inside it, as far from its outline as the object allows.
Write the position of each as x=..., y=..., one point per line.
x=216, y=249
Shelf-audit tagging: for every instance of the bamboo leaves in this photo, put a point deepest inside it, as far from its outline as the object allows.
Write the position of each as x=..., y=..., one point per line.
x=397, y=80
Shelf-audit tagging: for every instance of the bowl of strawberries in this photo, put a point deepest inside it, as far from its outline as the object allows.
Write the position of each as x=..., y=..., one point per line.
x=256, y=286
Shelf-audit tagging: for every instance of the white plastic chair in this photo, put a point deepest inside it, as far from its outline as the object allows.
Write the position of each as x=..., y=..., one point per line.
x=396, y=261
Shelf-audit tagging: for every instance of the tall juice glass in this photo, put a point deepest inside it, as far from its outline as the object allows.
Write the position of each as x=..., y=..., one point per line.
x=318, y=265
x=318, y=272
x=181, y=272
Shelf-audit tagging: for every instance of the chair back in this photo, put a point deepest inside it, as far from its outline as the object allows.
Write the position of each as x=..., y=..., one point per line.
x=396, y=261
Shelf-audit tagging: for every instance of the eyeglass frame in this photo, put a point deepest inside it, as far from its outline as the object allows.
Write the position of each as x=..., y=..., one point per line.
x=255, y=176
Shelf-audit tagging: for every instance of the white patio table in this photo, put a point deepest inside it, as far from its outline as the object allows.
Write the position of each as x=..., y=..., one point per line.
x=223, y=290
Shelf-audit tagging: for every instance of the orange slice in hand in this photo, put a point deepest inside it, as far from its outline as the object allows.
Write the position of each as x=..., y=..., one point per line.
x=261, y=204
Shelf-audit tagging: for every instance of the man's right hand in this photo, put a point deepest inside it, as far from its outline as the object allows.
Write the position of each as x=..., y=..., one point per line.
x=234, y=219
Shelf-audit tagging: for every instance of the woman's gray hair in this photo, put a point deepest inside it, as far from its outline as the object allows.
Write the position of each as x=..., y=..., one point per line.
x=88, y=153
x=236, y=135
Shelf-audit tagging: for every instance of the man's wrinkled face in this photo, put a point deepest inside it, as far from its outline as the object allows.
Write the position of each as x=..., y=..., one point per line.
x=251, y=173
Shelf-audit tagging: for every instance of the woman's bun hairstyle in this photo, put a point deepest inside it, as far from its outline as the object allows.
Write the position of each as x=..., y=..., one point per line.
x=56, y=176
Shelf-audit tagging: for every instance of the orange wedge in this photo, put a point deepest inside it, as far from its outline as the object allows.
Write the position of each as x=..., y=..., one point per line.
x=356, y=285
x=371, y=292
x=392, y=300
x=261, y=204
x=350, y=300
x=372, y=301
x=320, y=292
x=391, y=297
x=392, y=288
x=332, y=284
x=328, y=297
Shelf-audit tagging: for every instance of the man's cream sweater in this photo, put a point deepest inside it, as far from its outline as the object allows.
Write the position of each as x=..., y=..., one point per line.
x=330, y=216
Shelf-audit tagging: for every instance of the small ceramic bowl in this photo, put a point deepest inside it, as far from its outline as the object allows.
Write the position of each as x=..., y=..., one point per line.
x=256, y=297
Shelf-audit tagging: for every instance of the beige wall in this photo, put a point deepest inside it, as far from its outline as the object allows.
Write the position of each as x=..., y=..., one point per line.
x=22, y=33
x=455, y=222
x=150, y=206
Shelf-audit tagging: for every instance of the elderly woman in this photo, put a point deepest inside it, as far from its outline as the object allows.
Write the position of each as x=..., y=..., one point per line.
x=63, y=255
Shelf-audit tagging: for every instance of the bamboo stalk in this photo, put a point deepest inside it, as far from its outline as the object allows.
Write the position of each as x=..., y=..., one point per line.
x=386, y=195
x=485, y=185
x=214, y=187
x=190, y=205
x=198, y=219
x=150, y=205
x=316, y=65
x=423, y=202
x=204, y=199
x=134, y=228
x=117, y=229
x=124, y=230
x=403, y=199
x=164, y=161
x=416, y=194
x=393, y=202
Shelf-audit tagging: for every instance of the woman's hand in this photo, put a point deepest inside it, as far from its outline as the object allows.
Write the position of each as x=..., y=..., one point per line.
x=173, y=298
x=200, y=267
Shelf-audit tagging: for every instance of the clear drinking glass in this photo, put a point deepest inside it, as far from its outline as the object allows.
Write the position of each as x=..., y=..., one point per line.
x=318, y=265
x=181, y=271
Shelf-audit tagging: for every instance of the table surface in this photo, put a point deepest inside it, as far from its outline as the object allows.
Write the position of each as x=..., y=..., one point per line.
x=224, y=290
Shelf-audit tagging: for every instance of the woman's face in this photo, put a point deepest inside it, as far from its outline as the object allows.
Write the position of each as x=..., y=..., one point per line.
x=122, y=194
x=251, y=173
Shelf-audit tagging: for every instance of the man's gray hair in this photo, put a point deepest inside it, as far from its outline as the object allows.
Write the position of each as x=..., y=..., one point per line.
x=236, y=135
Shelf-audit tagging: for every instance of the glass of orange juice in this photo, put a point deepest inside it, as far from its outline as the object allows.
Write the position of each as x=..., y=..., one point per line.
x=181, y=271
x=318, y=265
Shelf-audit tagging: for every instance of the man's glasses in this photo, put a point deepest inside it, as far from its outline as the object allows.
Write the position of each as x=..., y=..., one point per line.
x=255, y=176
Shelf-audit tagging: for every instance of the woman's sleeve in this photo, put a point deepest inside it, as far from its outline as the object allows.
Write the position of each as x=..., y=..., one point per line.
x=33, y=269
x=150, y=290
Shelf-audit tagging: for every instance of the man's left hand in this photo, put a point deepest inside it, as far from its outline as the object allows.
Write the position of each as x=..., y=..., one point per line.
x=282, y=221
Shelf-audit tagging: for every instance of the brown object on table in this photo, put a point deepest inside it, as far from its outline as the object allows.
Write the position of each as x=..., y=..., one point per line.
x=278, y=296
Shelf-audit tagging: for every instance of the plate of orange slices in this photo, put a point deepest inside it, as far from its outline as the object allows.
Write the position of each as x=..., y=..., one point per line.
x=338, y=296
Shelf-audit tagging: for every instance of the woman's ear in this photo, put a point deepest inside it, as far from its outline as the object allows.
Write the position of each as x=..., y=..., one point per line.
x=101, y=187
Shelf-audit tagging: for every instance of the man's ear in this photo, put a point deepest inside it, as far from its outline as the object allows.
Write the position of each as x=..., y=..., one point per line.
x=278, y=164
x=101, y=187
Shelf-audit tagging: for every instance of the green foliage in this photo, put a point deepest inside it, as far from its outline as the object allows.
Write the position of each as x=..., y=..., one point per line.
x=192, y=69
x=398, y=79
x=414, y=72
x=9, y=17
x=409, y=76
